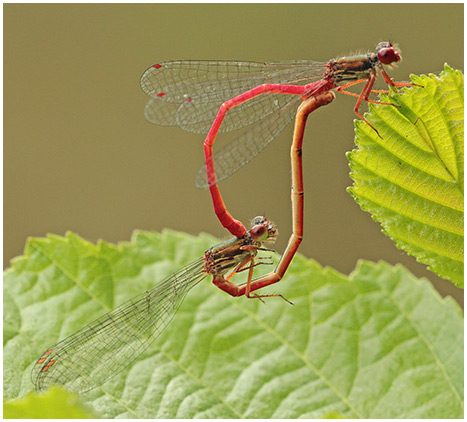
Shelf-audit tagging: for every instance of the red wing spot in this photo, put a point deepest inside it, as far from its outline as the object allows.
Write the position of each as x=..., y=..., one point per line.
x=41, y=360
x=157, y=66
x=48, y=352
x=189, y=99
x=161, y=94
x=46, y=367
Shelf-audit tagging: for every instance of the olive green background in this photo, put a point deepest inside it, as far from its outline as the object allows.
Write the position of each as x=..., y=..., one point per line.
x=79, y=155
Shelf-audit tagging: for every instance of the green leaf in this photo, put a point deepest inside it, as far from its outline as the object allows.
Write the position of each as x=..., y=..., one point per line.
x=55, y=404
x=411, y=180
x=377, y=344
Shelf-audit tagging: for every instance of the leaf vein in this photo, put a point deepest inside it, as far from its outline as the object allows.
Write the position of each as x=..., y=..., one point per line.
x=428, y=345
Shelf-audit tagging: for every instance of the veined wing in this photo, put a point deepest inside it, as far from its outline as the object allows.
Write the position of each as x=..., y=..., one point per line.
x=200, y=87
x=249, y=144
x=198, y=117
x=106, y=346
x=174, y=81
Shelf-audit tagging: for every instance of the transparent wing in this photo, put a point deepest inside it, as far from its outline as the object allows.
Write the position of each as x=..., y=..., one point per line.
x=198, y=117
x=249, y=144
x=175, y=81
x=103, y=348
x=200, y=87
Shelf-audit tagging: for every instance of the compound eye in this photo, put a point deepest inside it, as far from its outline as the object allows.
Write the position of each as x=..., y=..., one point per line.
x=259, y=232
x=388, y=55
x=257, y=220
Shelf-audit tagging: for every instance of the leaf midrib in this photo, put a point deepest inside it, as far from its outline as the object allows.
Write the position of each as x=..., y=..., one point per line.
x=71, y=277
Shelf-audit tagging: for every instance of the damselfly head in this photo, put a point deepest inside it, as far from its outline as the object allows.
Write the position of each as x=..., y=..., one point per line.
x=387, y=53
x=263, y=230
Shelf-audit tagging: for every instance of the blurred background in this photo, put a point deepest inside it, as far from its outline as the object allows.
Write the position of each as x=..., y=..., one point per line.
x=79, y=155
